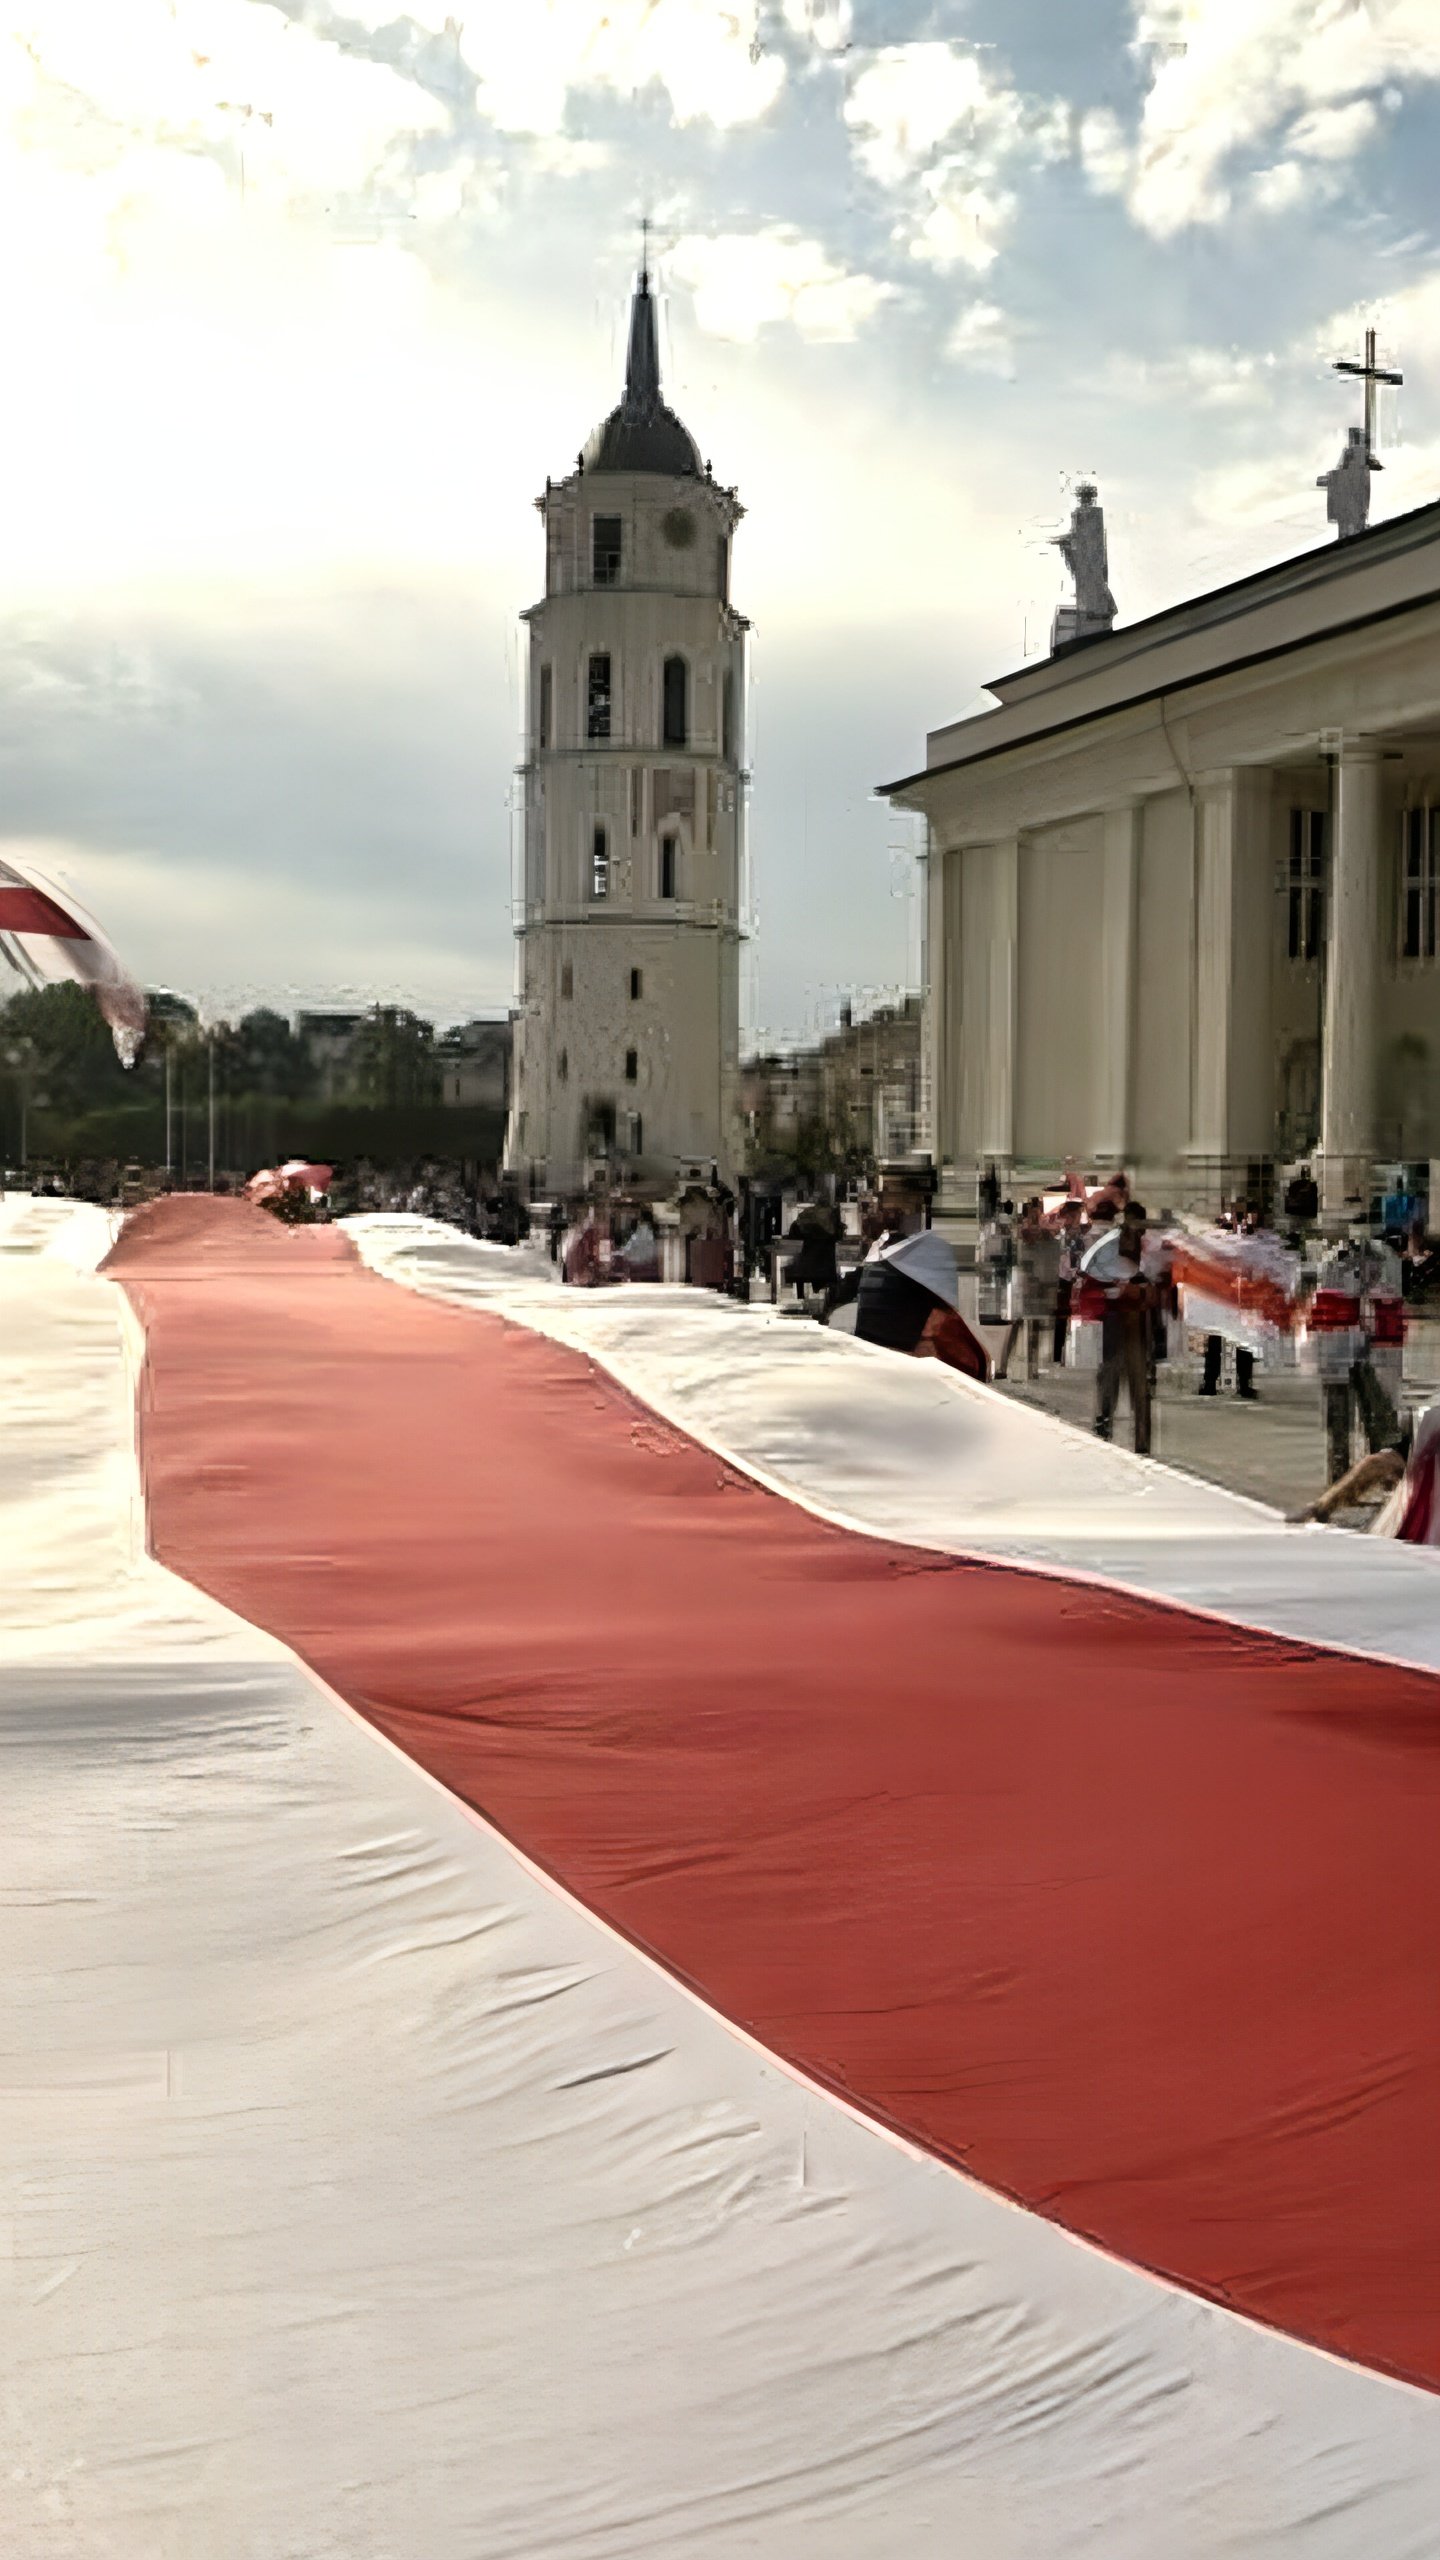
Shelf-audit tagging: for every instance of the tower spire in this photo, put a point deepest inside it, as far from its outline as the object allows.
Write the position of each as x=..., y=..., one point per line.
x=642, y=360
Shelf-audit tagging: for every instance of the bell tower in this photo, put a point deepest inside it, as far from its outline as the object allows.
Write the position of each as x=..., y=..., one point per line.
x=627, y=1042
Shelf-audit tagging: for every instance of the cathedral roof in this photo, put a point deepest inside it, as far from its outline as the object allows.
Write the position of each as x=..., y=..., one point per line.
x=1329, y=592
x=642, y=434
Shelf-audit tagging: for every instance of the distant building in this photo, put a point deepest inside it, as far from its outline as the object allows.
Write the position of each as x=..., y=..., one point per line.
x=779, y=1096
x=870, y=1079
x=474, y=1063
x=329, y=1040
x=859, y=1089
x=628, y=1038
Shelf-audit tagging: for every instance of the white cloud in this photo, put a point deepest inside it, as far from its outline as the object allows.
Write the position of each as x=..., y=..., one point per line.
x=980, y=341
x=225, y=77
x=529, y=56
x=1335, y=133
x=1281, y=187
x=826, y=24
x=1107, y=154
x=964, y=224
x=744, y=282
x=1196, y=377
x=911, y=97
x=934, y=126
x=1228, y=75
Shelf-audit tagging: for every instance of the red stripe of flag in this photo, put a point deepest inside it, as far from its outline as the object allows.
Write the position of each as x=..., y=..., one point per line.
x=27, y=910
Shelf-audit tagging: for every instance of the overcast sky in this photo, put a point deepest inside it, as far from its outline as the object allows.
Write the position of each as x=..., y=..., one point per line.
x=301, y=302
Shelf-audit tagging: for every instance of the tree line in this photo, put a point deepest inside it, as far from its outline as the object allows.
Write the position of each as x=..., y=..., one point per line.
x=67, y=1095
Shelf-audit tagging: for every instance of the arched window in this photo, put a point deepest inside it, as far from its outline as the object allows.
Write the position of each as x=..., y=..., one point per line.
x=637, y=985
x=727, y=716
x=669, y=861
x=675, y=722
x=542, y=725
x=599, y=864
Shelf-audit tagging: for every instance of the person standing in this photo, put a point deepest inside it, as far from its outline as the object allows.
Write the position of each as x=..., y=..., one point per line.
x=1038, y=1273
x=1302, y=1205
x=995, y=1264
x=1355, y=1270
x=585, y=1260
x=1238, y=1220
x=1125, y=1339
x=1068, y=1235
x=816, y=1231
x=639, y=1255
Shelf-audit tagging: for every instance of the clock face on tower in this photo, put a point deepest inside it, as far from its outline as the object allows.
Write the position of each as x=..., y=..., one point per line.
x=678, y=528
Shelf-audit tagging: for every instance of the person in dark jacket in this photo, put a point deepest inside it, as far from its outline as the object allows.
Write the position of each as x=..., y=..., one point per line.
x=816, y=1266
x=906, y=1300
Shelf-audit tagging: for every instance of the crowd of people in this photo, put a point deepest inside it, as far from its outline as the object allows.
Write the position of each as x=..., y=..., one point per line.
x=1084, y=1277
x=1096, y=1254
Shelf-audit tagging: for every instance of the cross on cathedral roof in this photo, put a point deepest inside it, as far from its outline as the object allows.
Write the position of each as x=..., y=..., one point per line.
x=1347, y=487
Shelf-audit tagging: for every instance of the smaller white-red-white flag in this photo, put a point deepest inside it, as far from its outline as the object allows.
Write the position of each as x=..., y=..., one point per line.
x=59, y=940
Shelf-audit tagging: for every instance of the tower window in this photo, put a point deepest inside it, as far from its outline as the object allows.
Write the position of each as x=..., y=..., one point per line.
x=637, y=986
x=722, y=568
x=1306, y=918
x=636, y=1138
x=599, y=864
x=562, y=1066
x=668, y=852
x=675, y=724
x=605, y=548
x=1420, y=884
x=632, y=1065
x=567, y=978
x=542, y=725
x=597, y=696
x=727, y=716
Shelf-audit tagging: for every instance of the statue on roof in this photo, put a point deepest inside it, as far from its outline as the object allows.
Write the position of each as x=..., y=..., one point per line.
x=1347, y=487
x=1084, y=553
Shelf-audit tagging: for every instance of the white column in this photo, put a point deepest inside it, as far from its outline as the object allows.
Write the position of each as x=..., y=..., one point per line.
x=1352, y=926
x=938, y=1118
x=1117, y=981
x=1001, y=1003
x=1232, y=1094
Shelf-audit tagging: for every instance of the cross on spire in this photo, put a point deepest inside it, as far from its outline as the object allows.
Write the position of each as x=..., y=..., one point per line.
x=645, y=230
x=1370, y=373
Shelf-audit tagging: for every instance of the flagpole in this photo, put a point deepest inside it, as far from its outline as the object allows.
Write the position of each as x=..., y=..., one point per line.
x=169, y=1114
x=210, y=1055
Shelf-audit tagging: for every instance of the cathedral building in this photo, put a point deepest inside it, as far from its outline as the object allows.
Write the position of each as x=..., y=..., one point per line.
x=627, y=1040
x=1184, y=888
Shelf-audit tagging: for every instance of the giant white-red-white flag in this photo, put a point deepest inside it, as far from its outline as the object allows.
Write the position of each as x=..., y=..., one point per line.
x=53, y=938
